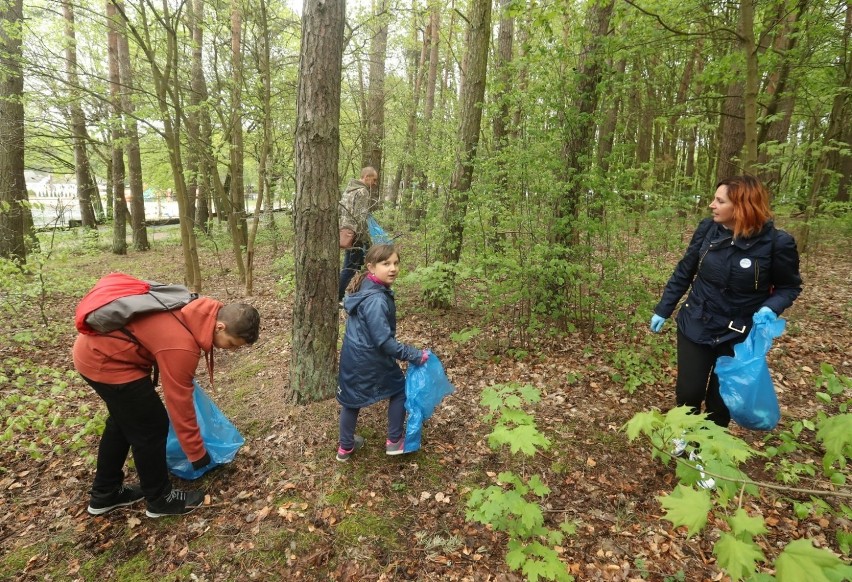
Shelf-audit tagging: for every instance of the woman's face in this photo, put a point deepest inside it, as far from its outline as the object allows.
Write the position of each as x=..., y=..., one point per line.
x=722, y=207
x=385, y=271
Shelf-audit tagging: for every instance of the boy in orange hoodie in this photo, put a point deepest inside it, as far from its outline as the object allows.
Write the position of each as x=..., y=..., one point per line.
x=119, y=368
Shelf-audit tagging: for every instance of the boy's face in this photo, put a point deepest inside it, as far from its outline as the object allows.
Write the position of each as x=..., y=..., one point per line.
x=225, y=341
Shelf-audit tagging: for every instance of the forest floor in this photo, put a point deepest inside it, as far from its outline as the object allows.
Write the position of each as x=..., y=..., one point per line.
x=285, y=509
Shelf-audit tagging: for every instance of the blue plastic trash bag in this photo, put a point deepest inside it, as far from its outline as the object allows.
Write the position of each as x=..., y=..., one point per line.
x=744, y=380
x=220, y=436
x=377, y=233
x=425, y=387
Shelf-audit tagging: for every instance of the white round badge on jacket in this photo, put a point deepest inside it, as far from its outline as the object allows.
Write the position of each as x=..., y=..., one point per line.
x=745, y=263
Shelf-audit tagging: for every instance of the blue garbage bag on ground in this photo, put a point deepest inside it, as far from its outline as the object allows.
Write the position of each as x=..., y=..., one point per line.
x=220, y=436
x=744, y=380
x=425, y=387
x=377, y=233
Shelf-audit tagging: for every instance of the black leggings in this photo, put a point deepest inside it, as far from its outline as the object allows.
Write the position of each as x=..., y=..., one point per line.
x=696, y=377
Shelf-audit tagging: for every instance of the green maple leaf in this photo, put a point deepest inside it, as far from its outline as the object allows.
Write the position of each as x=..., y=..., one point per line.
x=525, y=439
x=738, y=557
x=516, y=556
x=836, y=436
x=642, y=423
x=801, y=561
x=686, y=506
x=491, y=399
x=530, y=393
x=533, y=569
x=743, y=525
x=537, y=486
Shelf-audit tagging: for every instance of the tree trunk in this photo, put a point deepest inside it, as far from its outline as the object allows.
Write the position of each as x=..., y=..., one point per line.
x=470, y=120
x=610, y=121
x=266, y=141
x=751, y=84
x=13, y=189
x=86, y=189
x=578, y=143
x=131, y=133
x=165, y=87
x=375, y=135
x=731, y=133
x=237, y=215
x=117, y=176
x=313, y=368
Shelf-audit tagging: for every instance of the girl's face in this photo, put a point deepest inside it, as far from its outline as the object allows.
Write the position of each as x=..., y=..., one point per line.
x=385, y=271
x=722, y=207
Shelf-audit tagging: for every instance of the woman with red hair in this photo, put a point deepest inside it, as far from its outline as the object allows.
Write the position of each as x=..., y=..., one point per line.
x=740, y=267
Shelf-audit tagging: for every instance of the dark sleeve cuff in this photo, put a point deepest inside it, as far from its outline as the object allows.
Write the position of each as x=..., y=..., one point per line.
x=202, y=462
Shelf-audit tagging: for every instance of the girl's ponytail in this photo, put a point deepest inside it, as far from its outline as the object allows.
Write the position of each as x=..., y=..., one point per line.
x=355, y=284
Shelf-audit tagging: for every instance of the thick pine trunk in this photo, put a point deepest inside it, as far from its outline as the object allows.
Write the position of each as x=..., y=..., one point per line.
x=313, y=367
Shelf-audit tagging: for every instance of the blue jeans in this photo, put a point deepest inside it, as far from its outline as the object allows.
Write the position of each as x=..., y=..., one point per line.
x=353, y=260
x=396, y=418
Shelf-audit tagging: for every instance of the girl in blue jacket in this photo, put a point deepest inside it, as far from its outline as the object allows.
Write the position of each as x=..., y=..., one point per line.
x=368, y=368
x=740, y=268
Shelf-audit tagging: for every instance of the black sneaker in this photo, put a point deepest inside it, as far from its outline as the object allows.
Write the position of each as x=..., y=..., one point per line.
x=124, y=495
x=177, y=502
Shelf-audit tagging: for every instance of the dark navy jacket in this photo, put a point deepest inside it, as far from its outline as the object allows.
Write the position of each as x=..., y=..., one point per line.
x=368, y=368
x=731, y=279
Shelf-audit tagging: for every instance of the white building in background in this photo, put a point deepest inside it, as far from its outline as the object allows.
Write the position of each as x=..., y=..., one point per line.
x=54, y=200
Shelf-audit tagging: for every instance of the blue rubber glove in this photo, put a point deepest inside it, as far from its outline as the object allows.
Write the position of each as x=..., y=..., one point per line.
x=657, y=323
x=764, y=315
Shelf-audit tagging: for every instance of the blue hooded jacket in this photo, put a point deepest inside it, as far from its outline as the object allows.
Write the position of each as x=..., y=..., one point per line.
x=368, y=368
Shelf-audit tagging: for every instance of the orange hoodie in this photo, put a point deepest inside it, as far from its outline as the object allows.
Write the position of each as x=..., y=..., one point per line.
x=112, y=359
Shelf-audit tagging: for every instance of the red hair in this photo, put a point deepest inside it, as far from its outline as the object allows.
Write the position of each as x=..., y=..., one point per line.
x=751, y=204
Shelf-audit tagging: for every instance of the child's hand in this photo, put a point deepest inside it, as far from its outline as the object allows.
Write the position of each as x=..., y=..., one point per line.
x=424, y=357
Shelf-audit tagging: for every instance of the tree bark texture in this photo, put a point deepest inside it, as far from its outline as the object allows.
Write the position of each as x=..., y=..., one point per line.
x=578, y=143
x=375, y=134
x=86, y=188
x=470, y=121
x=119, y=228
x=237, y=215
x=131, y=132
x=13, y=189
x=313, y=368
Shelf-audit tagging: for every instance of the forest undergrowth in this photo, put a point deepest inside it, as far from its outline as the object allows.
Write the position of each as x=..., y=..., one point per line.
x=286, y=510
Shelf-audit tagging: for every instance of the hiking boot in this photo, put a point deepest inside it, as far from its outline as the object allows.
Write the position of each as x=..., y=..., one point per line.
x=343, y=455
x=395, y=448
x=176, y=502
x=124, y=495
x=705, y=482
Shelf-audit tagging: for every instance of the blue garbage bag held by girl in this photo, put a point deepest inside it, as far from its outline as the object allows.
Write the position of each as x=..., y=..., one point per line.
x=425, y=386
x=744, y=380
x=221, y=438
